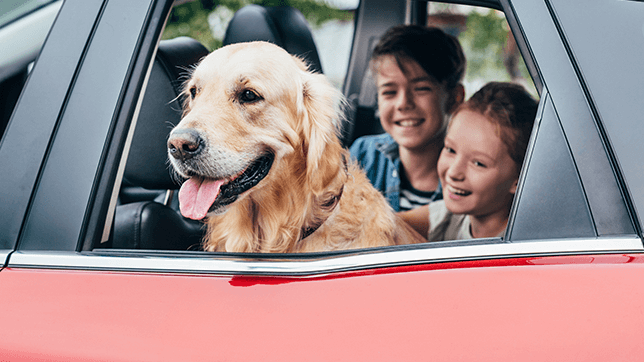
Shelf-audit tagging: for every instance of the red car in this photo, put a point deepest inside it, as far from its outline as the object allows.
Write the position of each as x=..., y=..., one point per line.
x=97, y=265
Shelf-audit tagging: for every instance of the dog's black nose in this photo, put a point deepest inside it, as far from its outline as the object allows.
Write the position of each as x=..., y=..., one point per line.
x=184, y=143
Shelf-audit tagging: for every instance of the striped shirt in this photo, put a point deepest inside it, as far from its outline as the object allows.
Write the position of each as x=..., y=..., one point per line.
x=411, y=198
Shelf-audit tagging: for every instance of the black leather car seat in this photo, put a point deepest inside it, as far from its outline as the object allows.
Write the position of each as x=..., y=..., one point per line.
x=281, y=25
x=147, y=223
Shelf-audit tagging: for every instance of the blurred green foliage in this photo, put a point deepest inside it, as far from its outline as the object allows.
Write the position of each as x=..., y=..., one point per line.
x=315, y=12
x=191, y=19
x=484, y=40
x=485, y=34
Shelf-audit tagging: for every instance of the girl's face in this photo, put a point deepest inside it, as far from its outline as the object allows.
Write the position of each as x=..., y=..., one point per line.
x=412, y=106
x=479, y=178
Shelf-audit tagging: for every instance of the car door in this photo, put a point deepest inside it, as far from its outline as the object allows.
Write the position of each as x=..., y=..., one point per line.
x=565, y=283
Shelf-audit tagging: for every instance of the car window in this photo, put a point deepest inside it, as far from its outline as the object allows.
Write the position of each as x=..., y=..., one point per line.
x=11, y=10
x=490, y=49
x=24, y=24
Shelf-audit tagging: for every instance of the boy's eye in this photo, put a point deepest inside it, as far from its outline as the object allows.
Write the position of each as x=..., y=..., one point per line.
x=388, y=93
x=423, y=89
x=449, y=150
x=479, y=164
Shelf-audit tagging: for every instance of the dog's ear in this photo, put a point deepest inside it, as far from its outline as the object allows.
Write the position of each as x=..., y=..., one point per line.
x=321, y=111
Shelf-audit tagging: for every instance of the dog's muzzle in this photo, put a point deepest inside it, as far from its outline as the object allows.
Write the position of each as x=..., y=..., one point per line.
x=185, y=143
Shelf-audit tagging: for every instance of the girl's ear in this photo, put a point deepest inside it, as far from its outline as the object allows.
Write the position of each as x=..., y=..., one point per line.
x=456, y=97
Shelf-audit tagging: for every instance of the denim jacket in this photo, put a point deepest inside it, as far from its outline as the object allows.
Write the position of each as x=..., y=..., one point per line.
x=379, y=158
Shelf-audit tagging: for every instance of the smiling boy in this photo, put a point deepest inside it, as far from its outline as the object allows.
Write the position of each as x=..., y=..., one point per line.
x=479, y=165
x=418, y=76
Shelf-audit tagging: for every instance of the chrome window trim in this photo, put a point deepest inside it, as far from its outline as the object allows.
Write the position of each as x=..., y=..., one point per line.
x=200, y=263
x=4, y=255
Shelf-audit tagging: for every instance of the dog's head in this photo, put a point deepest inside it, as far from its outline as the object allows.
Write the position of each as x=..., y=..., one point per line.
x=248, y=106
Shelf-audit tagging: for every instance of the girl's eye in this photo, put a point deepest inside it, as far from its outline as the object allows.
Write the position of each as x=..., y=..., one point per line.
x=479, y=164
x=248, y=96
x=193, y=92
x=449, y=150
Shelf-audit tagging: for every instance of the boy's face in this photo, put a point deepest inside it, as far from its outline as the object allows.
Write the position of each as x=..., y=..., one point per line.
x=412, y=106
x=479, y=178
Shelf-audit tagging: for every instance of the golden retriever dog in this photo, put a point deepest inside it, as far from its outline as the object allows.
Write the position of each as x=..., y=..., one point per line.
x=258, y=146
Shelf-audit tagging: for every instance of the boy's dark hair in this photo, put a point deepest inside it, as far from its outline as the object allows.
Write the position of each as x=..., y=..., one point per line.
x=439, y=54
x=509, y=106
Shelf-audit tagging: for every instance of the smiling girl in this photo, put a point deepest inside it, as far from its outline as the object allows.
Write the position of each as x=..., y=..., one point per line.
x=479, y=165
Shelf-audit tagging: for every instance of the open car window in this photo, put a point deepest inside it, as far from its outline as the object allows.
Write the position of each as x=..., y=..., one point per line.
x=491, y=52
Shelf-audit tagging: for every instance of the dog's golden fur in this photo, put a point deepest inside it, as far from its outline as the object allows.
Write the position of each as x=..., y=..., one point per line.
x=293, y=118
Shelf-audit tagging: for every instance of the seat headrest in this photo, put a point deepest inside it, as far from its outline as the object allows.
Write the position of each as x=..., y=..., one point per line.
x=147, y=164
x=281, y=25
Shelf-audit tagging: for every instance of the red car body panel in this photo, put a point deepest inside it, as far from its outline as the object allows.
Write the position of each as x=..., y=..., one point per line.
x=568, y=308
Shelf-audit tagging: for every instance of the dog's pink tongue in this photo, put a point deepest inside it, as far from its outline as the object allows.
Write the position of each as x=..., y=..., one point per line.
x=197, y=195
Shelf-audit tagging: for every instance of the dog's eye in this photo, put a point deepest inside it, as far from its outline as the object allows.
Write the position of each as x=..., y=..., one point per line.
x=248, y=96
x=193, y=92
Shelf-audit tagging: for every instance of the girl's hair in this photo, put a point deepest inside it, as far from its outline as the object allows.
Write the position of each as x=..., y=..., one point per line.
x=439, y=54
x=510, y=107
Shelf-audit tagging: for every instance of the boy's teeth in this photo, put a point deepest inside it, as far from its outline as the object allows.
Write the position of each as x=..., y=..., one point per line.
x=408, y=123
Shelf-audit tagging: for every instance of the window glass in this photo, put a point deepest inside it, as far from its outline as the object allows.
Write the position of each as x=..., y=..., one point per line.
x=568, y=214
x=24, y=24
x=11, y=10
